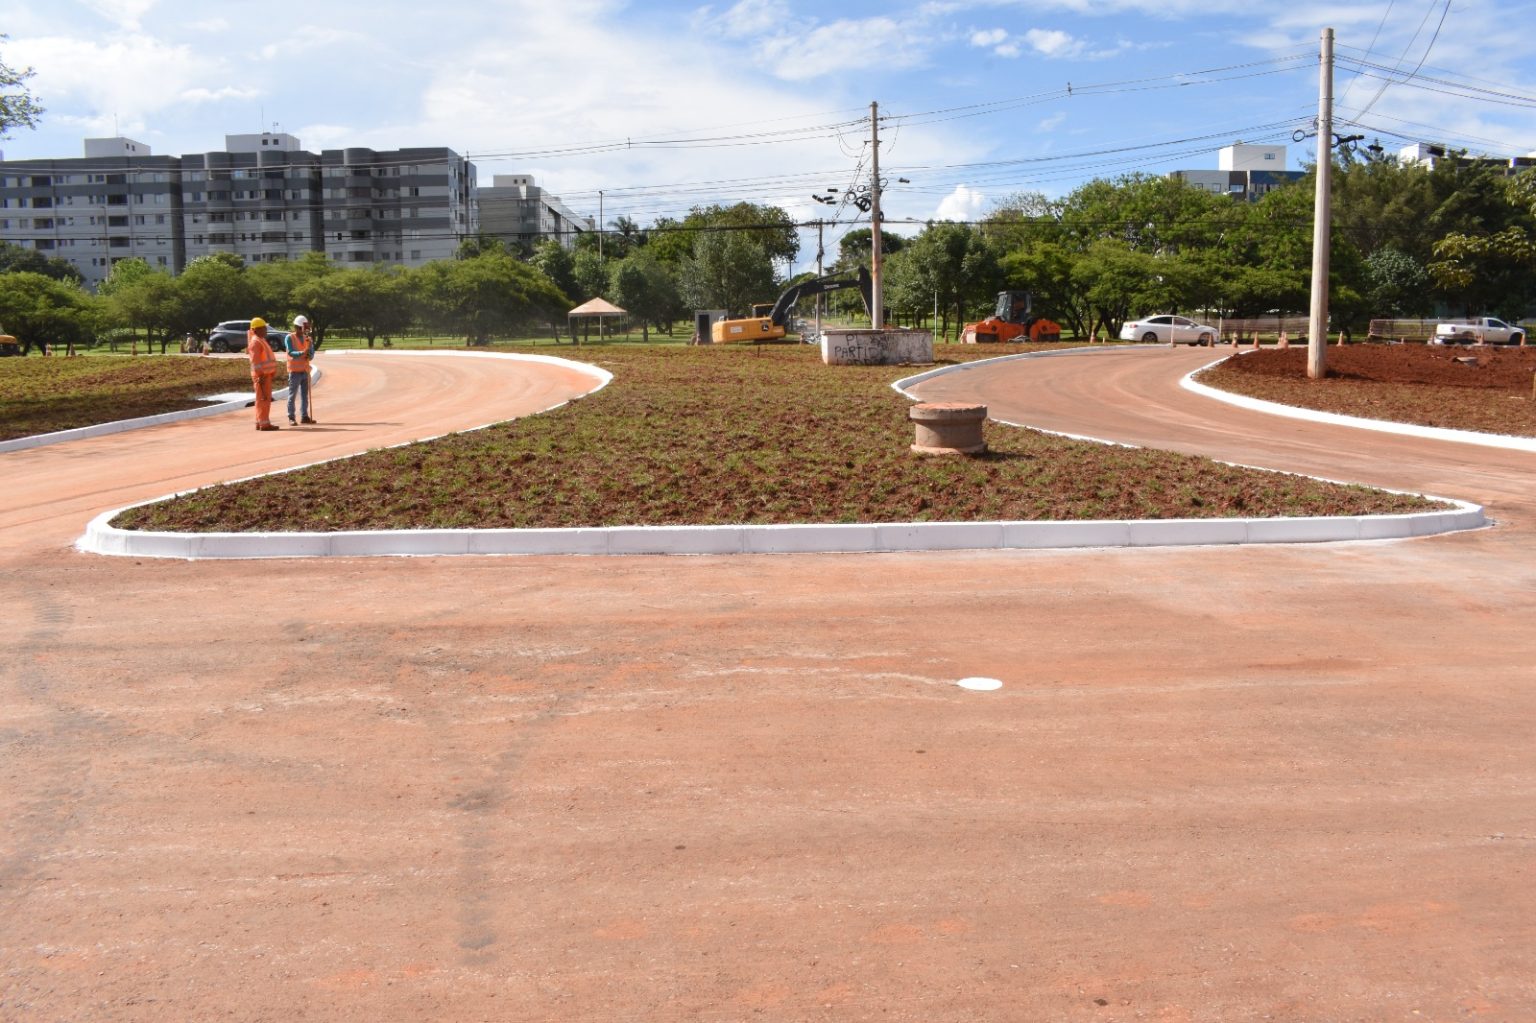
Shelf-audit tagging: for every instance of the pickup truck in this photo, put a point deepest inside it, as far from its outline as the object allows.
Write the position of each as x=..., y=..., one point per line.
x=1483, y=330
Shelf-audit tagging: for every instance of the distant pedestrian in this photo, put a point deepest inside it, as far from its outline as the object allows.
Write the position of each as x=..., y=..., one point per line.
x=301, y=350
x=263, y=369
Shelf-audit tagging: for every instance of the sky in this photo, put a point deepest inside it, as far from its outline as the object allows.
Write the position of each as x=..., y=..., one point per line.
x=645, y=109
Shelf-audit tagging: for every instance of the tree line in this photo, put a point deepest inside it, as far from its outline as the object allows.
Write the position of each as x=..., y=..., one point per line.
x=1407, y=240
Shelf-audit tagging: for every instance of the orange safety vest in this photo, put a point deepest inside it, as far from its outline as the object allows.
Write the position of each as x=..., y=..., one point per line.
x=263, y=362
x=298, y=361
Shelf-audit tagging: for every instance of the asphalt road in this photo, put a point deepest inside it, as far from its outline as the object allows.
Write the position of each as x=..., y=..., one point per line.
x=1289, y=783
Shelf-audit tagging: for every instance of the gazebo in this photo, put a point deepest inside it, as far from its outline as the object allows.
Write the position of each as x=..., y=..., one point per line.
x=598, y=308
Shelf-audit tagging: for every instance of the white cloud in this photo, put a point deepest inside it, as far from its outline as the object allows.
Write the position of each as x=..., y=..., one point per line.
x=310, y=39
x=201, y=95
x=1053, y=122
x=749, y=18
x=795, y=48
x=127, y=14
x=131, y=77
x=963, y=204
x=987, y=38
x=1053, y=43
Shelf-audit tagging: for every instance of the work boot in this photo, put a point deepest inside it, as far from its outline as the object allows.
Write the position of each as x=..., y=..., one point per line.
x=268, y=426
x=307, y=421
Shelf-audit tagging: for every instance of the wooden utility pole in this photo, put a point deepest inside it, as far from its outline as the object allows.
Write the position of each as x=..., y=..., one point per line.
x=1322, y=212
x=877, y=302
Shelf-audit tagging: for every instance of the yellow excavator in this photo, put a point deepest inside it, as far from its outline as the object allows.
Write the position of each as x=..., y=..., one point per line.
x=767, y=322
x=9, y=345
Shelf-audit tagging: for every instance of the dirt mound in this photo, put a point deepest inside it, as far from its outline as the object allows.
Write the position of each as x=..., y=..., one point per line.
x=1488, y=390
x=1498, y=369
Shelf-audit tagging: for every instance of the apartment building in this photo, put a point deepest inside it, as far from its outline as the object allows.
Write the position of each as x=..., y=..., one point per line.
x=262, y=197
x=516, y=210
x=1243, y=171
x=117, y=202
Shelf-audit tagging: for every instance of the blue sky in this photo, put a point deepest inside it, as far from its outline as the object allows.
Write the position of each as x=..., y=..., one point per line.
x=661, y=106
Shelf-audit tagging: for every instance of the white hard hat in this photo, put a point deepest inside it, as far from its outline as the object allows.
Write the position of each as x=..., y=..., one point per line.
x=301, y=320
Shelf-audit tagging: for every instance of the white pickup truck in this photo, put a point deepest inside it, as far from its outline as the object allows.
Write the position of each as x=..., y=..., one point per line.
x=1484, y=330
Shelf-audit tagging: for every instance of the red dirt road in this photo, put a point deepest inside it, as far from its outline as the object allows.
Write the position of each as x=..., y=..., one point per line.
x=1217, y=784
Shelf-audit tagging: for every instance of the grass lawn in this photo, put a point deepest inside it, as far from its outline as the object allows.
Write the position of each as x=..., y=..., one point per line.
x=722, y=435
x=44, y=395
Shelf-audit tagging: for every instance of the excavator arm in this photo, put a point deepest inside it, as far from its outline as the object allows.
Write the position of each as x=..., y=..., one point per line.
x=818, y=286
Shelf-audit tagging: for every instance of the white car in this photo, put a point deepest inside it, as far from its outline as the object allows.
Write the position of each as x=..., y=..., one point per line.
x=1169, y=330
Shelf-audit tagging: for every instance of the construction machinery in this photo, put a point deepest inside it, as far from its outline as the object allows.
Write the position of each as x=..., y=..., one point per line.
x=767, y=322
x=1012, y=320
x=9, y=345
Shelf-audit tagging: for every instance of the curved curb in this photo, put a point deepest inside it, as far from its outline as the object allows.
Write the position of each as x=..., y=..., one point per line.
x=1487, y=440
x=42, y=440
x=102, y=538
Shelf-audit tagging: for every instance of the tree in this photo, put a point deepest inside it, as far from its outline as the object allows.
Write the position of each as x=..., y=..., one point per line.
x=646, y=291
x=728, y=270
x=17, y=107
x=556, y=262
x=624, y=238
x=591, y=273
x=123, y=274
x=1396, y=283
x=146, y=299
x=39, y=310
x=480, y=245
x=375, y=302
x=14, y=258
x=947, y=264
x=211, y=290
x=488, y=296
x=275, y=283
x=856, y=248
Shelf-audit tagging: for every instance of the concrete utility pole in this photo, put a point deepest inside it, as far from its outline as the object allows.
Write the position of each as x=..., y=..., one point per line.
x=599, y=223
x=1322, y=212
x=877, y=301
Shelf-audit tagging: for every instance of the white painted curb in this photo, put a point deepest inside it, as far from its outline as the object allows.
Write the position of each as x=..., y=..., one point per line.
x=102, y=538
x=42, y=440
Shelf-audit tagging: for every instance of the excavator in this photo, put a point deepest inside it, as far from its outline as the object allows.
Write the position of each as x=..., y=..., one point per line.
x=767, y=322
x=1012, y=320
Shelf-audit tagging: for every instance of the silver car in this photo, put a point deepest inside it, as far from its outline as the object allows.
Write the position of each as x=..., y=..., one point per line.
x=1169, y=330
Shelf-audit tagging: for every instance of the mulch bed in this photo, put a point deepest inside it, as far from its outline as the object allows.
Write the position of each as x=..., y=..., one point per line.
x=717, y=435
x=45, y=395
x=1458, y=387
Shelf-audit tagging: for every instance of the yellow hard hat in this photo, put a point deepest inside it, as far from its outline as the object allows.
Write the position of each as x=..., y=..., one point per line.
x=258, y=323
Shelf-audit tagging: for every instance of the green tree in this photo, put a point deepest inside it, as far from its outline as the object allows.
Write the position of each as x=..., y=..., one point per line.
x=481, y=245
x=949, y=265
x=17, y=107
x=276, y=282
x=856, y=248
x=211, y=290
x=124, y=273
x=643, y=288
x=591, y=273
x=556, y=262
x=146, y=299
x=14, y=258
x=39, y=310
x=1397, y=284
x=728, y=270
x=488, y=296
x=375, y=302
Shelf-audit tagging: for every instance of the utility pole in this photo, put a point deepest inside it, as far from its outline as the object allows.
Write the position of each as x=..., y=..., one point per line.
x=1322, y=212
x=877, y=302
x=599, y=223
x=821, y=299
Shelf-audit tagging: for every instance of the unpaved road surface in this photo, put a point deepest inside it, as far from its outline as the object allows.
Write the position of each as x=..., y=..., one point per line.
x=1217, y=784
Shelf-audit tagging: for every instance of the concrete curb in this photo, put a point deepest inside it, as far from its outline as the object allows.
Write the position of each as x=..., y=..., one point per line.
x=42, y=440
x=102, y=538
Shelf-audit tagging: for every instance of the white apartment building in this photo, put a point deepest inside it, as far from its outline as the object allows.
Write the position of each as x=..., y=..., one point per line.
x=262, y=197
x=516, y=210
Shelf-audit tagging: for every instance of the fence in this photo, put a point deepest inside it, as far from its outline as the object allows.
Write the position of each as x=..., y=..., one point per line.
x=1264, y=328
x=1401, y=330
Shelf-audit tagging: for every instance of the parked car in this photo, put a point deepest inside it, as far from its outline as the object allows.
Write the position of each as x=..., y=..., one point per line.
x=1169, y=330
x=1483, y=330
x=230, y=336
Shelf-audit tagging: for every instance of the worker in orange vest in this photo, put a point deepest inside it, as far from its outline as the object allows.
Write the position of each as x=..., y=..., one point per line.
x=263, y=369
x=301, y=349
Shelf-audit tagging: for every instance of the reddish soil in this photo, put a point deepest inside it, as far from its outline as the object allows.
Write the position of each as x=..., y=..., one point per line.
x=1467, y=388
